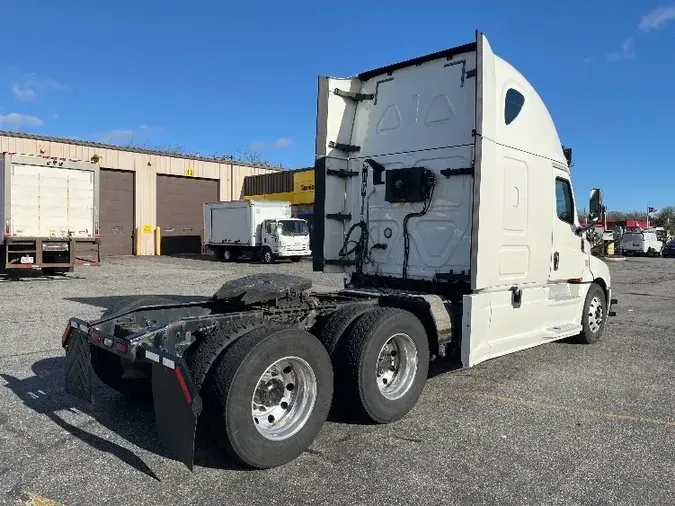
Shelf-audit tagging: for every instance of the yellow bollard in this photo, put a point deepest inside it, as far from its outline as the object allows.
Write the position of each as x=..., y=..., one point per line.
x=138, y=241
x=158, y=241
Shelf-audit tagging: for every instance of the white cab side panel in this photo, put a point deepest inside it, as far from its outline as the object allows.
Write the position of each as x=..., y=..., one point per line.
x=267, y=210
x=492, y=326
x=513, y=207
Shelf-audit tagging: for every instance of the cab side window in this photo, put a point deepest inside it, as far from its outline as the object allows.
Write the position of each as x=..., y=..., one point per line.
x=564, y=201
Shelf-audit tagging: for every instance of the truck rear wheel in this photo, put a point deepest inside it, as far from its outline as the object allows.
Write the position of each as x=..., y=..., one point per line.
x=271, y=393
x=339, y=323
x=386, y=357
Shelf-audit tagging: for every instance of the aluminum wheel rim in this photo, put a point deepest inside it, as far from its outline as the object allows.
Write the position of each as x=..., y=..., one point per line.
x=283, y=398
x=595, y=315
x=227, y=254
x=396, y=366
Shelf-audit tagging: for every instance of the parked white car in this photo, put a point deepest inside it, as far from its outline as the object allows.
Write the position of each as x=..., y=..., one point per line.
x=640, y=243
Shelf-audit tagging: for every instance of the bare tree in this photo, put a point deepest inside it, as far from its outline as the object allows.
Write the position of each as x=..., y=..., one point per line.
x=246, y=156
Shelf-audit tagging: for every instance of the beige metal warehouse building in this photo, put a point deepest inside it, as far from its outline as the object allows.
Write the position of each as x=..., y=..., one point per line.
x=143, y=189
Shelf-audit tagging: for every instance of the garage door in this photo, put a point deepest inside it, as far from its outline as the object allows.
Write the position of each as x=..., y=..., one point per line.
x=180, y=211
x=116, y=212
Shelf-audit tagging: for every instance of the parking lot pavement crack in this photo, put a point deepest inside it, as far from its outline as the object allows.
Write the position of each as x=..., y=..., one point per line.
x=28, y=353
x=670, y=423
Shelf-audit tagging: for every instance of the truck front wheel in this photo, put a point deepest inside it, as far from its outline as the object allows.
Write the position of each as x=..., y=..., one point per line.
x=270, y=395
x=386, y=363
x=594, y=315
x=266, y=256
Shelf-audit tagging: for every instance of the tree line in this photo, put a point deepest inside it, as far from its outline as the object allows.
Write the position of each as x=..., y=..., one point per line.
x=664, y=217
x=246, y=156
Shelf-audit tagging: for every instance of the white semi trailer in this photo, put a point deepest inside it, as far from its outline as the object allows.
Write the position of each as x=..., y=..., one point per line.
x=261, y=229
x=49, y=213
x=443, y=194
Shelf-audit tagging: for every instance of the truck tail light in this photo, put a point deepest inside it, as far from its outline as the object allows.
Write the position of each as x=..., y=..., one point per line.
x=96, y=230
x=7, y=228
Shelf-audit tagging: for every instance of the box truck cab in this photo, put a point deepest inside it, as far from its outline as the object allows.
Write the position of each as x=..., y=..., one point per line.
x=263, y=229
x=443, y=194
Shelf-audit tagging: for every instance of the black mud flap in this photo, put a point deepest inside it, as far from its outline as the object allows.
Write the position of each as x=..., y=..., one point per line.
x=78, y=366
x=177, y=404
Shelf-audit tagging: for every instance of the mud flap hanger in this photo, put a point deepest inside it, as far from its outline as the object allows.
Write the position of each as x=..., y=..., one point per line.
x=176, y=399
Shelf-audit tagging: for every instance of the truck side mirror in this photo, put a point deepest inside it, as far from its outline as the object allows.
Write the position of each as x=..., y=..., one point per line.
x=595, y=205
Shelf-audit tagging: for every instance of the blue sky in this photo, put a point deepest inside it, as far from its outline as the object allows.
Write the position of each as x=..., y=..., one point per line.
x=216, y=76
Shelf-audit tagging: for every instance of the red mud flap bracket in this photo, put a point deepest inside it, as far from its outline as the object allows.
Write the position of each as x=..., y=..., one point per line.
x=177, y=403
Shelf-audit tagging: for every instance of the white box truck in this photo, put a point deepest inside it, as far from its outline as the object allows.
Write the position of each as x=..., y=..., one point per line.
x=255, y=228
x=49, y=213
x=444, y=195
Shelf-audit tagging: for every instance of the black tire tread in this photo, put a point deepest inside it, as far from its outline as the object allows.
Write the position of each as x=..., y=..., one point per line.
x=223, y=376
x=339, y=323
x=209, y=349
x=349, y=374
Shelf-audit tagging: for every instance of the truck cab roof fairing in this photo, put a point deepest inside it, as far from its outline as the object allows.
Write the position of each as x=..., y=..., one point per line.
x=532, y=129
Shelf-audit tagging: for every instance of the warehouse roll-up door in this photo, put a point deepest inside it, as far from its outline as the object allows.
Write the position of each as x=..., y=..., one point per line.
x=116, y=212
x=180, y=211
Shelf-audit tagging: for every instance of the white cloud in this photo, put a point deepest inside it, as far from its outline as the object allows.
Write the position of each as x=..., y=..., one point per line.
x=280, y=143
x=626, y=51
x=117, y=136
x=15, y=120
x=127, y=135
x=22, y=93
x=150, y=128
x=27, y=88
x=657, y=18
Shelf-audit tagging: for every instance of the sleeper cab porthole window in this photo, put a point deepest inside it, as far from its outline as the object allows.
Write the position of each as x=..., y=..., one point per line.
x=513, y=104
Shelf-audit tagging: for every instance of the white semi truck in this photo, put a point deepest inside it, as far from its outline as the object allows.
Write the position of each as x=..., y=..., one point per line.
x=255, y=228
x=49, y=213
x=443, y=194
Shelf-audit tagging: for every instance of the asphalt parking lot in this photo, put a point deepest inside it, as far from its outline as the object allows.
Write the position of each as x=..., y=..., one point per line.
x=557, y=424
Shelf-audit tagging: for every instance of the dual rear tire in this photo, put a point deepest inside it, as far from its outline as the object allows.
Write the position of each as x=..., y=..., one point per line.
x=381, y=360
x=269, y=393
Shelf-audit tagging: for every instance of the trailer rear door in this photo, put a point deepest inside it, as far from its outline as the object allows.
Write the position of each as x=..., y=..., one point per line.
x=51, y=201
